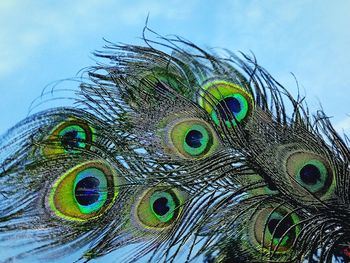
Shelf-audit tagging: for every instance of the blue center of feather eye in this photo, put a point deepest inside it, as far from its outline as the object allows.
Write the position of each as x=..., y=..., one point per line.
x=193, y=138
x=310, y=174
x=279, y=228
x=228, y=106
x=160, y=206
x=86, y=191
x=69, y=140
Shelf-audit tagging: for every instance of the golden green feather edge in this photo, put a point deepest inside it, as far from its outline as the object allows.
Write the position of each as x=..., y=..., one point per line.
x=185, y=155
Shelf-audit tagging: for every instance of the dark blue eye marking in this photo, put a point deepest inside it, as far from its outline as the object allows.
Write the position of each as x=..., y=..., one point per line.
x=193, y=138
x=86, y=191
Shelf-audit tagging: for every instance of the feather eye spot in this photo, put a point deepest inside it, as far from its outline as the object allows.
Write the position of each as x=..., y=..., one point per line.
x=163, y=205
x=235, y=105
x=69, y=137
x=90, y=190
x=197, y=140
x=276, y=229
x=160, y=207
x=311, y=172
x=226, y=101
x=194, y=138
x=191, y=138
x=84, y=192
x=73, y=137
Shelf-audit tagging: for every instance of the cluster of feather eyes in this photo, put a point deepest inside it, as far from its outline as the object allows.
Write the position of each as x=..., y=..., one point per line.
x=176, y=156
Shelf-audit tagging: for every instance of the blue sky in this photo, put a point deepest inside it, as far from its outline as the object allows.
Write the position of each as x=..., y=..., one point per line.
x=45, y=41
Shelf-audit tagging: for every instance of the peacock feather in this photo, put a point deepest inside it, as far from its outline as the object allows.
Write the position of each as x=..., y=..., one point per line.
x=171, y=153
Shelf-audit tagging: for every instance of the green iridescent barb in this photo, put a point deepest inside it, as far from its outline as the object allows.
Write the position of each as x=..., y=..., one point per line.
x=176, y=155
